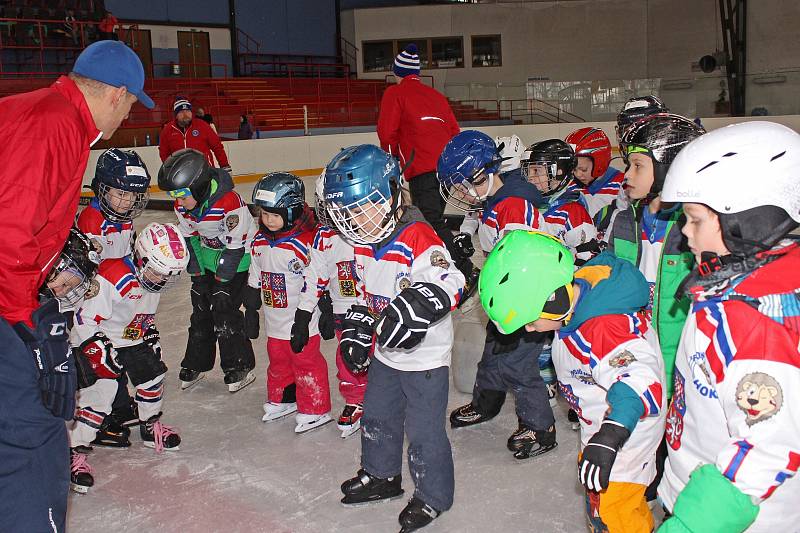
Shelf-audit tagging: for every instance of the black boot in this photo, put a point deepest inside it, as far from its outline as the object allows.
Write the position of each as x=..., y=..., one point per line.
x=489, y=403
x=156, y=435
x=189, y=377
x=466, y=415
x=81, y=479
x=574, y=421
x=416, y=515
x=526, y=442
x=112, y=434
x=366, y=488
x=128, y=415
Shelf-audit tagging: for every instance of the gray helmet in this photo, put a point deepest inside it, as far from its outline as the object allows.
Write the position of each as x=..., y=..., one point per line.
x=186, y=170
x=281, y=193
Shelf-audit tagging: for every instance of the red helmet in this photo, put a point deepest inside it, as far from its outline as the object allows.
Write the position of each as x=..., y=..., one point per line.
x=592, y=143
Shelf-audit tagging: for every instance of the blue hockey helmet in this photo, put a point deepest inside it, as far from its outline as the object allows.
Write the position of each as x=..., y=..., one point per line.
x=362, y=193
x=120, y=183
x=283, y=194
x=468, y=160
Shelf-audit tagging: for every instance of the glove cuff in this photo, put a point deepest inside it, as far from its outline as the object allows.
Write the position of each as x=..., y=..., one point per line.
x=302, y=316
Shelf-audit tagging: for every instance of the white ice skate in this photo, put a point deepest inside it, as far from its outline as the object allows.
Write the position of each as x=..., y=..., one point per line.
x=238, y=380
x=189, y=377
x=307, y=422
x=276, y=411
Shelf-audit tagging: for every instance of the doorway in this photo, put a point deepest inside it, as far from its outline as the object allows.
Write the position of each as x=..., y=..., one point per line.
x=194, y=54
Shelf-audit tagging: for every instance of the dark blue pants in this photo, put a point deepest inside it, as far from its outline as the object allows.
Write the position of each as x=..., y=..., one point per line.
x=34, y=454
x=418, y=401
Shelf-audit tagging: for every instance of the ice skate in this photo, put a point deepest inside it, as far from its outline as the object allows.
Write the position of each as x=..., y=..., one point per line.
x=128, y=415
x=306, y=422
x=276, y=411
x=112, y=434
x=236, y=380
x=416, y=515
x=189, y=377
x=80, y=478
x=527, y=443
x=466, y=415
x=350, y=420
x=366, y=488
x=552, y=393
x=157, y=435
x=574, y=421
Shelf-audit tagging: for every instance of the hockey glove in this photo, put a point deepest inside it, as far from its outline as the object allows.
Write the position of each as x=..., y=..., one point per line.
x=299, y=337
x=101, y=354
x=406, y=319
x=252, y=303
x=355, y=345
x=594, y=469
x=463, y=242
x=228, y=169
x=48, y=342
x=327, y=321
x=152, y=338
x=502, y=343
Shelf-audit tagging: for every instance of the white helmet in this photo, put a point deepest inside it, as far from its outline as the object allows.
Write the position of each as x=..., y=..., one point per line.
x=511, y=149
x=749, y=174
x=320, y=209
x=159, y=255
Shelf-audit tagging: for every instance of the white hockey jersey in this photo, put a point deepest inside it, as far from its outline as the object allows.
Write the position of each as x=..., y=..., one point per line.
x=601, y=192
x=332, y=268
x=567, y=218
x=115, y=305
x=736, y=400
x=279, y=268
x=112, y=240
x=414, y=254
x=508, y=214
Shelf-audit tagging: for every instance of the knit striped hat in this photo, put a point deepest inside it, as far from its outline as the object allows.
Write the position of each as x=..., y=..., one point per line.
x=407, y=61
x=180, y=104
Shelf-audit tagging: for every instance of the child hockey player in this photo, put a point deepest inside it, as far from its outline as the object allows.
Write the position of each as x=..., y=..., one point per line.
x=606, y=357
x=733, y=427
x=596, y=180
x=71, y=276
x=407, y=288
x=115, y=332
x=334, y=270
x=467, y=173
x=218, y=225
x=297, y=375
x=120, y=187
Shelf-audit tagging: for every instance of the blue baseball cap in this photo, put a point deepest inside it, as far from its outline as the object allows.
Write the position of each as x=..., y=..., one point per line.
x=115, y=64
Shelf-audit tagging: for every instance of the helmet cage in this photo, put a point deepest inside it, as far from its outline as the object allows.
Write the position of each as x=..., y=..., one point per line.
x=137, y=204
x=380, y=212
x=459, y=190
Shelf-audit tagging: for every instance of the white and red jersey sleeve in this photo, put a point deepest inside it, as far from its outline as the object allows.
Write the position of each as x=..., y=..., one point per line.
x=508, y=214
x=571, y=223
x=600, y=192
x=112, y=240
x=226, y=224
x=332, y=268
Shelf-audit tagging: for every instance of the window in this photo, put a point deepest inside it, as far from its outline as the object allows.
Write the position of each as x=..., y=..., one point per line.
x=378, y=56
x=422, y=47
x=447, y=52
x=486, y=51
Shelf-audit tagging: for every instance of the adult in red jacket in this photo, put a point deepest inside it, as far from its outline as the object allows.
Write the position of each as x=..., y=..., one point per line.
x=45, y=136
x=414, y=124
x=185, y=132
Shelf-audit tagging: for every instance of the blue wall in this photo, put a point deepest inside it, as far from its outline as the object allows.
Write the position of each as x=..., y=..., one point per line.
x=305, y=27
x=195, y=11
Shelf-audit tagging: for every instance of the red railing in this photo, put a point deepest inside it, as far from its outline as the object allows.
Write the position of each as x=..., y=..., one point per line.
x=529, y=110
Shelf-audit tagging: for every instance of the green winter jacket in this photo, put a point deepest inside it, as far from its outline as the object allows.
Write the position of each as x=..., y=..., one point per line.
x=675, y=263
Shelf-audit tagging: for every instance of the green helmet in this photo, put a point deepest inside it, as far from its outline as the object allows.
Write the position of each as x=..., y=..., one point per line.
x=527, y=276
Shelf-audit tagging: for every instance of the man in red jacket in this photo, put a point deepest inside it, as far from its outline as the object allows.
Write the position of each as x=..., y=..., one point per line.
x=414, y=124
x=45, y=136
x=185, y=132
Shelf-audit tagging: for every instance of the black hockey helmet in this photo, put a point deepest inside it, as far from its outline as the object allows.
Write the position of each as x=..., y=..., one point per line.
x=558, y=159
x=283, y=194
x=122, y=170
x=184, y=173
x=637, y=108
x=73, y=271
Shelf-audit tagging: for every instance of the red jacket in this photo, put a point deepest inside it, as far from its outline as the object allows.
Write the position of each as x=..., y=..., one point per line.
x=415, y=117
x=45, y=137
x=198, y=135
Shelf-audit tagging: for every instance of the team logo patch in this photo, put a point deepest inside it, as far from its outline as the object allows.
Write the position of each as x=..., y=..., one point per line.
x=438, y=260
x=622, y=360
x=295, y=266
x=195, y=133
x=140, y=323
x=93, y=290
x=231, y=222
x=346, y=272
x=98, y=248
x=403, y=283
x=273, y=289
x=760, y=397
x=676, y=412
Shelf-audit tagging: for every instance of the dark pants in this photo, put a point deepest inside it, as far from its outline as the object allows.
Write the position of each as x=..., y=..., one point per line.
x=418, y=402
x=122, y=401
x=516, y=371
x=208, y=327
x=426, y=196
x=34, y=453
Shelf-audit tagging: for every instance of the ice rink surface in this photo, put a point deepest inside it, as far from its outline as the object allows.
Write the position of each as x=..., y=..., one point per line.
x=234, y=473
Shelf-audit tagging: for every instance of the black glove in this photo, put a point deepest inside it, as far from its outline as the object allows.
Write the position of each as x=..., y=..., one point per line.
x=327, y=328
x=502, y=343
x=48, y=343
x=406, y=319
x=227, y=168
x=463, y=241
x=252, y=303
x=355, y=345
x=152, y=338
x=299, y=337
x=599, y=454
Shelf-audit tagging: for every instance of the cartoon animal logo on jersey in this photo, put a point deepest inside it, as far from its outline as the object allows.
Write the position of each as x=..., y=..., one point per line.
x=231, y=222
x=676, y=412
x=622, y=360
x=273, y=288
x=438, y=260
x=568, y=394
x=760, y=397
x=93, y=290
x=346, y=273
x=403, y=283
x=295, y=266
x=97, y=246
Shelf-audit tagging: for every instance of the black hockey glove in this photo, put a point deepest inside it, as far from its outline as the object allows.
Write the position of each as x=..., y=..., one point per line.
x=299, y=337
x=463, y=241
x=152, y=338
x=502, y=343
x=252, y=303
x=327, y=328
x=598, y=456
x=48, y=343
x=406, y=319
x=355, y=345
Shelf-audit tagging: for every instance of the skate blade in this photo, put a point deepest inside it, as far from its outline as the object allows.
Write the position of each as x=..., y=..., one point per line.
x=279, y=416
x=305, y=429
x=152, y=445
x=349, y=431
x=80, y=489
x=248, y=379
x=371, y=502
x=189, y=384
x=521, y=455
x=112, y=445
